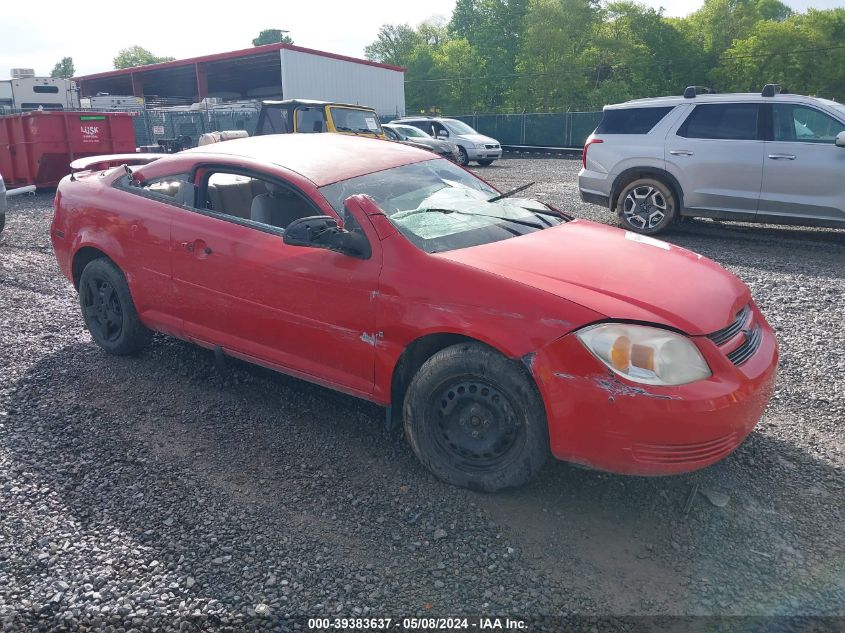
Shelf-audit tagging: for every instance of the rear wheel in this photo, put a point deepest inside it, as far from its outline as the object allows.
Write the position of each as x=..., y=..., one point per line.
x=485, y=162
x=475, y=419
x=646, y=206
x=463, y=157
x=108, y=309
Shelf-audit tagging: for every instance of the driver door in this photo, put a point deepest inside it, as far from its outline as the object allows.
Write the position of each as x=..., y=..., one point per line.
x=305, y=311
x=803, y=169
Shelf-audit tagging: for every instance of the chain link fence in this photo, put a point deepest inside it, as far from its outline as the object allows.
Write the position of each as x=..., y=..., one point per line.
x=154, y=125
x=536, y=129
x=528, y=129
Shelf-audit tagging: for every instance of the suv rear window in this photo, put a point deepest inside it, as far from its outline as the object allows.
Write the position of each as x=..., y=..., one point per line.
x=631, y=120
x=726, y=121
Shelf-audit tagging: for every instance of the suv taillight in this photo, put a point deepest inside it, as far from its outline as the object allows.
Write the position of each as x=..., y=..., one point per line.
x=586, y=147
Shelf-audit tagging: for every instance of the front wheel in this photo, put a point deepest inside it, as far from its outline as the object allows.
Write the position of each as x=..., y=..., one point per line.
x=646, y=206
x=485, y=162
x=108, y=309
x=475, y=419
x=463, y=157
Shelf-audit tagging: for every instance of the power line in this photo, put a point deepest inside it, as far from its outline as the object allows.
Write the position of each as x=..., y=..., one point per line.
x=572, y=70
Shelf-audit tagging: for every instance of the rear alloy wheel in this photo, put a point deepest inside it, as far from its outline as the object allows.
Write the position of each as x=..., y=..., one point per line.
x=463, y=158
x=485, y=162
x=108, y=309
x=475, y=419
x=646, y=206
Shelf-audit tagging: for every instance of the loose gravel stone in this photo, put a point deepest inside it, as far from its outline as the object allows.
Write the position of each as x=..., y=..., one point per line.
x=156, y=492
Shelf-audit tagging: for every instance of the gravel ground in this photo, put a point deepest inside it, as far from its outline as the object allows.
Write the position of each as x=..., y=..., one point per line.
x=156, y=491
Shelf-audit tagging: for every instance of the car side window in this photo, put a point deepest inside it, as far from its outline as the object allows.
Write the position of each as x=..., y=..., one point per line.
x=175, y=189
x=438, y=129
x=310, y=120
x=803, y=124
x=275, y=121
x=393, y=136
x=243, y=198
x=724, y=121
x=425, y=126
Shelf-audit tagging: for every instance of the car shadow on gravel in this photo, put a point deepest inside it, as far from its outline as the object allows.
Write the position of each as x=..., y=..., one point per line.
x=230, y=478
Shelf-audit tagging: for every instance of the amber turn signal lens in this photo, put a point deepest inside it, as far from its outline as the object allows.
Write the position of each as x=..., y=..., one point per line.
x=620, y=353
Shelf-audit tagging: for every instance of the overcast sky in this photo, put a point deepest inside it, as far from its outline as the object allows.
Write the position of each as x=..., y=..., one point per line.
x=38, y=34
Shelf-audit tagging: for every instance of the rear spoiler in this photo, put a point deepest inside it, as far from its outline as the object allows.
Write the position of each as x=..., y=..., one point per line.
x=106, y=161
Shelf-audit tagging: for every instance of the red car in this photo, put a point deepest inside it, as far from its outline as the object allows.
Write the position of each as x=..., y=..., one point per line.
x=497, y=329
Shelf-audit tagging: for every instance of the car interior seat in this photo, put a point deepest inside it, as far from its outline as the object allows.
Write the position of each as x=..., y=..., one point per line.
x=278, y=207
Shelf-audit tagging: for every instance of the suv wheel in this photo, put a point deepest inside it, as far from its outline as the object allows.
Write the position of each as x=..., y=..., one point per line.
x=646, y=206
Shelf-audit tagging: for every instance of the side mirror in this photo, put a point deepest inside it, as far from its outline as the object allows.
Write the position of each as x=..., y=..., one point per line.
x=840, y=140
x=322, y=231
x=443, y=134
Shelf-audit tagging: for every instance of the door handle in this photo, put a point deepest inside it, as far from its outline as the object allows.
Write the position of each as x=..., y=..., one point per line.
x=782, y=156
x=197, y=244
x=680, y=152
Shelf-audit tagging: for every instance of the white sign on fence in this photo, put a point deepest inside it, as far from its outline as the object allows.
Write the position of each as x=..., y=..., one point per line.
x=158, y=130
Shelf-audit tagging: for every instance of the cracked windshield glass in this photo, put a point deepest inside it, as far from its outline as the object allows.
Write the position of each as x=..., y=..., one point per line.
x=439, y=207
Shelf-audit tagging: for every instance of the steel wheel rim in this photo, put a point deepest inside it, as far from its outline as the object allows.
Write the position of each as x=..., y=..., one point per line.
x=102, y=308
x=475, y=424
x=644, y=207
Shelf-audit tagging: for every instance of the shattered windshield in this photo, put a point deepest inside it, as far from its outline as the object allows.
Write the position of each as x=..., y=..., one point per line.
x=439, y=206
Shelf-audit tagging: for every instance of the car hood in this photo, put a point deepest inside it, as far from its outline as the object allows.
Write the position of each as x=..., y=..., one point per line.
x=477, y=138
x=619, y=274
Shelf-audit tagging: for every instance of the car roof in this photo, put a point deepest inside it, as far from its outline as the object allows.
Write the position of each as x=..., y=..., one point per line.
x=738, y=97
x=321, y=158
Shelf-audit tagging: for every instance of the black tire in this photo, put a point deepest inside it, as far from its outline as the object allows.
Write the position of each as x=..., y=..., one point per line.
x=2, y=221
x=463, y=157
x=108, y=309
x=486, y=162
x=646, y=206
x=475, y=419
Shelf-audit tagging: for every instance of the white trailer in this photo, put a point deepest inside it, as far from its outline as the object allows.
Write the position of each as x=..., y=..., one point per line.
x=32, y=93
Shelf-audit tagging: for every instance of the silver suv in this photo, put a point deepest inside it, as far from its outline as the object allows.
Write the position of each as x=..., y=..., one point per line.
x=771, y=157
x=471, y=145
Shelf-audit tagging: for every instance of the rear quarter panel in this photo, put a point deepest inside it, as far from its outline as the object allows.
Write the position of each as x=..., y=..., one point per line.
x=132, y=231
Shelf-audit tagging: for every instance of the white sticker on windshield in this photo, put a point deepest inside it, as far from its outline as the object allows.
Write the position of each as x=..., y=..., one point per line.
x=371, y=123
x=645, y=239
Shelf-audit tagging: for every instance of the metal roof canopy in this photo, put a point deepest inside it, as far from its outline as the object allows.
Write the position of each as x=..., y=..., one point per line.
x=232, y=72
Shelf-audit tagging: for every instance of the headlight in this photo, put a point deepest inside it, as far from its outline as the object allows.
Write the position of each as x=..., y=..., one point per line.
x=480, y=146
x=648, y=355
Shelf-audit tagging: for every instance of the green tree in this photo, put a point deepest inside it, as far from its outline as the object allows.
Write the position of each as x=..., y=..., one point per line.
x=394, y=45
x=493, y=28
x=137, y=56
x=63, y=68
x=272, y=36
x=720, y=22
x=556, y=46
x=804, y=53
x=638, y=53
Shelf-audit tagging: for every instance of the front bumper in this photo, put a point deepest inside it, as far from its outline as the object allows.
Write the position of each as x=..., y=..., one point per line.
x=475, y=153
x=600, y=420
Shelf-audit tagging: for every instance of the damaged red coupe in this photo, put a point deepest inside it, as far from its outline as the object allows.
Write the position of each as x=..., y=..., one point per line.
x=495, y=327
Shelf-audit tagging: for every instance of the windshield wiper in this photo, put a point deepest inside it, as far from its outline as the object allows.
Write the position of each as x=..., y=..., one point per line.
x=533, y=225
x=355, y=130
x=508, y=194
